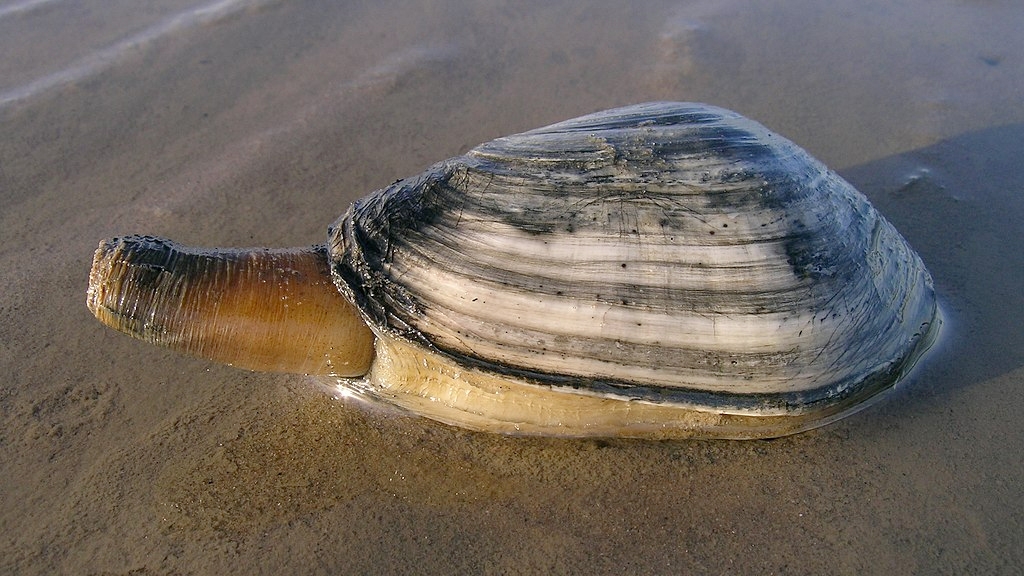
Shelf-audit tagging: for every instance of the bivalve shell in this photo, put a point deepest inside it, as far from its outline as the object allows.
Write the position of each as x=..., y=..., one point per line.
x=674, y=260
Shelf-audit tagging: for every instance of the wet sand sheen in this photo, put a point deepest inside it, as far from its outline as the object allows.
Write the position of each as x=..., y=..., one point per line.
x=259, y=126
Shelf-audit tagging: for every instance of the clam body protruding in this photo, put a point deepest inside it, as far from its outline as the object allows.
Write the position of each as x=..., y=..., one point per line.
x=664, y=270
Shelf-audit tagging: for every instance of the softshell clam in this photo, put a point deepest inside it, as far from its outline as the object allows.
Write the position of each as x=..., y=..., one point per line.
x=658, y=270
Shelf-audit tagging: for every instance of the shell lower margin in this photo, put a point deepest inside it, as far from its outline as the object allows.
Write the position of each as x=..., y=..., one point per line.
x=432, y=385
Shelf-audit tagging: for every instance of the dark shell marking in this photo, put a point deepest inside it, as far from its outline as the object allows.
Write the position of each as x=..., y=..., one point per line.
x=666, y=252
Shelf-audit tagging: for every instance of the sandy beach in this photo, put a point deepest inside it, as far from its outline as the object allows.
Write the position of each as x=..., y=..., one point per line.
x=257, y=122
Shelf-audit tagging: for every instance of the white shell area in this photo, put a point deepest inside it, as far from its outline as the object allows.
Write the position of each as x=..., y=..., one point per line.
x=672, y=253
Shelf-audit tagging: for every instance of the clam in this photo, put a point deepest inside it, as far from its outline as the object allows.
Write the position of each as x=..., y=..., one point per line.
x=657, y=270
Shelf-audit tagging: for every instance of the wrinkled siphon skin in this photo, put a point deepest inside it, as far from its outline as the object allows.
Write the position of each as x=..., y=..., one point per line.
x=659, y=270
x=267, y=310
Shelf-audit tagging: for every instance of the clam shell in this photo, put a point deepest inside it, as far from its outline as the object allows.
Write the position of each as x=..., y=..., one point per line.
x=669, y=253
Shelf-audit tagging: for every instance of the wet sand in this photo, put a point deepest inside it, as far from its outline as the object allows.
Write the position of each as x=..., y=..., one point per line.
x=239, y=123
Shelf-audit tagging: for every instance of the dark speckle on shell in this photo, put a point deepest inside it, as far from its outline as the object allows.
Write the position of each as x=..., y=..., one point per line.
x=676, y=253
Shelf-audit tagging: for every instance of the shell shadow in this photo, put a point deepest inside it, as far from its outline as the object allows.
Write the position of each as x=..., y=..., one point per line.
x=960, y=204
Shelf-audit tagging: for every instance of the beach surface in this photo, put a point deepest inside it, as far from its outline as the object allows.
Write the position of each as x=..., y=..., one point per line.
x=256, y=123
